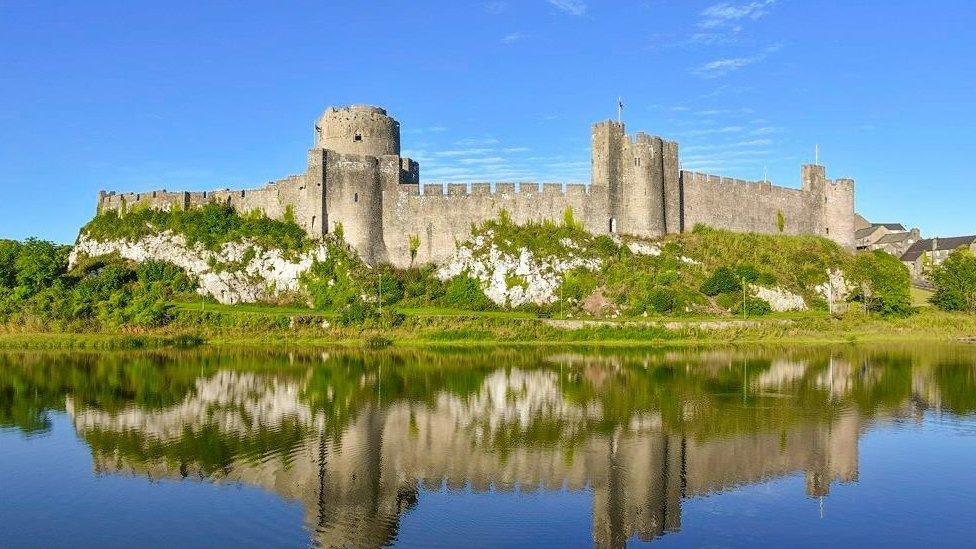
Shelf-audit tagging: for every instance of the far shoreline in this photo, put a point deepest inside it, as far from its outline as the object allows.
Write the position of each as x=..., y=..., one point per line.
x=474, y=330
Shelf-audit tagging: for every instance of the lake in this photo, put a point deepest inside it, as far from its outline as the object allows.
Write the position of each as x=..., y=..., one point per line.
x=490, y=448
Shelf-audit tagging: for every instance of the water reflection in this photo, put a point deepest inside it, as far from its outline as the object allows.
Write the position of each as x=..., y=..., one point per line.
x=356, y=437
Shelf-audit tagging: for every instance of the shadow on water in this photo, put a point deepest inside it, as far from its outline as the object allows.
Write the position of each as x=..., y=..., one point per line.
x=358, y=437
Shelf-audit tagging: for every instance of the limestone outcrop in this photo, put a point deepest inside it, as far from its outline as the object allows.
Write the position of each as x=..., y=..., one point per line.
x=237, y=272
x=514, y=279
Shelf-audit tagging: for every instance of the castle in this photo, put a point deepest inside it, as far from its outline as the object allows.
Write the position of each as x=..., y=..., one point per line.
x=356, y=179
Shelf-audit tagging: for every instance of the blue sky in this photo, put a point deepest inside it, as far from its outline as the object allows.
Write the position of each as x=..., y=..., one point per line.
x=206, y=95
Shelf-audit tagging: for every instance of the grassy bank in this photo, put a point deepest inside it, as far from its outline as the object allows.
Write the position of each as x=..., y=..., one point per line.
x=445, y=327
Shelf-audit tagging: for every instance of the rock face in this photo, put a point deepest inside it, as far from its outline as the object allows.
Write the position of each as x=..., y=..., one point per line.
x=232, y=274
x=514, y=279
x=779, y=299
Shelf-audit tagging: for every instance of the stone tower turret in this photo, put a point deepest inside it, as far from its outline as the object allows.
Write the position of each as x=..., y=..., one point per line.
x=641, y=176
x=358, y=129
x=835, y=202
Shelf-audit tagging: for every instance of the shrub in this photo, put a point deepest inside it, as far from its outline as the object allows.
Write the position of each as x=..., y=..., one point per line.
x=664, y=300
x=754, y=306
x=211, y=225
x=729, y=300
x=883, y=283
x=465, y=292
x=334, y=282
x=955, y=282
x=722, y=281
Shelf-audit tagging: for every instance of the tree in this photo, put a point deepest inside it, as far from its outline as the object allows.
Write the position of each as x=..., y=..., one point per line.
x=39, y=264
x=955, y=282
x=780, y=220
x=884, y=283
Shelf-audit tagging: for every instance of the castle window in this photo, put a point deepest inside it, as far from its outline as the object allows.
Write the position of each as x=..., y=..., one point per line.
x=355, y=197
x=359, y=137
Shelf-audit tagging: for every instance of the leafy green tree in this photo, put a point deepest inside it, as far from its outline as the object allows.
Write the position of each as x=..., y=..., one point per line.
x=39, y=264
x=883, y=283
x=955, y=282
x=9, y=252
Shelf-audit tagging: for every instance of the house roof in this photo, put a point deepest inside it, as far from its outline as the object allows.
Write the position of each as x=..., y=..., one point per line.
x=865, y=232
x=892, y=238
x=870, y=229
x=942, y=244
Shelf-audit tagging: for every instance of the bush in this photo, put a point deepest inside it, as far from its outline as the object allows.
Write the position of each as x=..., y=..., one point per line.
x=211, y=225
x=955, y=282
x=883, y=283
x=333, y=282
x=754, y=306
x=465, y=292
x=664, y=300
x=722, y=281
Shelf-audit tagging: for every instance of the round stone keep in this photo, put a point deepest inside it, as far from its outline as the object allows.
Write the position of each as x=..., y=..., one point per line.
x=358, y=129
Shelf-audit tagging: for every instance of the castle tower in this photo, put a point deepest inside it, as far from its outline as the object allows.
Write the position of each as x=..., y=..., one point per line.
x=358, y=129
x=605, y=166
x=354, y=199
x=634, y=173
x=642, y=186
x=673, y=215
x=835, y=202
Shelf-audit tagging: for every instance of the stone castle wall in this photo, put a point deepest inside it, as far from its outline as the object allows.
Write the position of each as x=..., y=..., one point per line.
x=746, y=206
x=356, y=179
x=440, y=219
x=273, y=200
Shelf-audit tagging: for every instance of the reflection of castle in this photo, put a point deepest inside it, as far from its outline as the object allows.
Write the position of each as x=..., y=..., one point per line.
x=355, y=486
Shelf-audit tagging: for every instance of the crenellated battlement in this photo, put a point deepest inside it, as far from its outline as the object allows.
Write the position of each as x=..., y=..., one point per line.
x=440, y=189
x=356, y=178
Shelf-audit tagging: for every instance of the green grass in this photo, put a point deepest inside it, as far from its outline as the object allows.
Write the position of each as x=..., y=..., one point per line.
x=451, y=312
x=920, y=297
x=95, y=341
x=255, y=308
x=431, y=328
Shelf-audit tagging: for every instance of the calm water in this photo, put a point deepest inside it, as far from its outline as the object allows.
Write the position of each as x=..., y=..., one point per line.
x=823, y=447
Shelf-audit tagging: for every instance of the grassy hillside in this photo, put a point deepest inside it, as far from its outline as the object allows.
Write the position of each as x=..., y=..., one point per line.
x=701, y=271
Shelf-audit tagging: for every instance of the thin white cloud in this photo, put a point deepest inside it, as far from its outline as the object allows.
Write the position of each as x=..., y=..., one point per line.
x=512, y=38
x=712, y=131
x=428, y=129
x=572, y=7
x=722, y=67
x=765, y=130
x=464, y=152
x=728, y=14
x=476, y=141
x=495, y=8
x=516, y=149
x=486, y=160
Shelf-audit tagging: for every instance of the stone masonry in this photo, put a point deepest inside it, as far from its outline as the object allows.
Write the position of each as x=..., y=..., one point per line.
x=356, y=179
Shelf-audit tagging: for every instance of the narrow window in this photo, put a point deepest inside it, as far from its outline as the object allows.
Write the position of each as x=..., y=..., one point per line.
x=355, y=197
x=613, y=225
